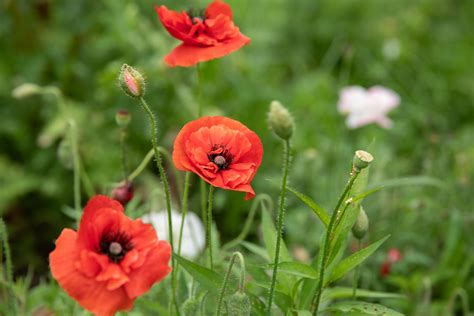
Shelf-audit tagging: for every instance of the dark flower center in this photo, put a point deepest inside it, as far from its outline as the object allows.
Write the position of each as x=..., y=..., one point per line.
x=115, y=245
x=220, y=156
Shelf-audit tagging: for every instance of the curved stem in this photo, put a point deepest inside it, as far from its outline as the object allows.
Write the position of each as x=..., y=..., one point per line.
x=227, y=276
x=327, y=240
x=166, y=189
x=258, y=200
x=209, y=225
x=184, y=210
x=280, y=219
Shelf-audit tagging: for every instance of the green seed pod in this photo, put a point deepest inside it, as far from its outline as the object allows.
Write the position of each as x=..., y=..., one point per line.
x=238, y=304
x=362, y=159
x=280, y=120
x=65, y=154
x=131, y=82
x=123, y=118
x=361, y=226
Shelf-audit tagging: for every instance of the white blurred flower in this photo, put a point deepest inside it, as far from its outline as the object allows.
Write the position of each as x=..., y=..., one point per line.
x=194, y=236
x=366, y=106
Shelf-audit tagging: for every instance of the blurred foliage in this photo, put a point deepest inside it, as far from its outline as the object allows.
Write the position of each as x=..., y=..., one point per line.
x=302, y=53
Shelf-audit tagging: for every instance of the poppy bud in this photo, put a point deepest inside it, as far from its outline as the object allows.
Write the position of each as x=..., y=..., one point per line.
x=238, y=305
x=26, y=90
x=361, y=225
x=123, y=192
x=280, y=120
x=191, y=307
x=123, y=118
x=362, y=159
x=131, y=82
x=64, y=154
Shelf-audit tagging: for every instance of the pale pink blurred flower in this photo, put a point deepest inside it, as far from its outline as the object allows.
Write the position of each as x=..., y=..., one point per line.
x=366, y=106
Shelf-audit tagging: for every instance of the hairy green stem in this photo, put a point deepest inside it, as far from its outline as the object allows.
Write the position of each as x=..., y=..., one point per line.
x=76, y=165
x=123, y=152
x=327, y=240
x=280, y=219
x=8, y=266
x=260, y=199
x=199, y=88
x=209, y=225
x=166, y=189
x=184, y=209
x=355, y=280
x=227, y=276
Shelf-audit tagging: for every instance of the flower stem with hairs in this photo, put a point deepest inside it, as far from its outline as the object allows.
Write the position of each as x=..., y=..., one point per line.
x=209, y=226
x=280, y=219
x=227, y=276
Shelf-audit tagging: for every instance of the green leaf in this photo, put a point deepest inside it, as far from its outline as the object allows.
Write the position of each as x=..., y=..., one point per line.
x=318, y=210
x=206, y=277
x=354, y=260
x=256, y=249
x=297, y=269
x=346, y=292
x=398, y=183
x=360, y=309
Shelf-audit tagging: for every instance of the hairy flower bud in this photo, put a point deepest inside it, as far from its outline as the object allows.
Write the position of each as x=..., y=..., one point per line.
x=238, y=304
x=280, y=120
x=361, y=226
x=362, y=160
x=123, y=118
x=26, y=90
x=131, y=82
x=191, y=307
x=123, y=192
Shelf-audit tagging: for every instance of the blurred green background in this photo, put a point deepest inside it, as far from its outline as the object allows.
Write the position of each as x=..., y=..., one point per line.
x=302, y=53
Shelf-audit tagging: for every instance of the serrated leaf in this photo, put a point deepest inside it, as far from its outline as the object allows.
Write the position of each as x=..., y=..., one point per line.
x=361, y=308
x=317, y=209
x=398, y=183
x=354, y=260
x=206, y=277
x=298, y=269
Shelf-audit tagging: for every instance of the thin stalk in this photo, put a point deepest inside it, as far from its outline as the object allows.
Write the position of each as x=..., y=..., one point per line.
x=209, y=226
x=86, y=182
x=280, y=219
x=8, y=265
x=355, y=280
x=258, y=200
x=327, y=241
x=184, y=210
x=123, y=152
x=166, y=189
x=199, y=90
x=227, y=276
x=76, y=165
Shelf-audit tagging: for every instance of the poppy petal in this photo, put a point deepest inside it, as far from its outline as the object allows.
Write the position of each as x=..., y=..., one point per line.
x=218, y=7
x=186, y=55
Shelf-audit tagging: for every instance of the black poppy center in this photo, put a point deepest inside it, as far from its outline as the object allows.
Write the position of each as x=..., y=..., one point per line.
x=115, y=245
x=220, y=156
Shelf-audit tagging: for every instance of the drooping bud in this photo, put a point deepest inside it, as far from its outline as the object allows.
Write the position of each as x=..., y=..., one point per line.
x=280, y=120
x=131, y=82
x=362, y=160
x=238, y=304
x=123, y=118
x=64, y=153
x=26, y=90
x=361, y=226
x=123, y=192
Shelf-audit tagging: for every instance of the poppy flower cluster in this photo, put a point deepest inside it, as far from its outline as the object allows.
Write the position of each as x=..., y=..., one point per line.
x=205, y=36
x=222, y=151
x=110, y=260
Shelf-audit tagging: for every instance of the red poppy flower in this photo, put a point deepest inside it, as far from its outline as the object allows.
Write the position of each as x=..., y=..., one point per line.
x=222, y=151
x=110, y=260
x=207, y=36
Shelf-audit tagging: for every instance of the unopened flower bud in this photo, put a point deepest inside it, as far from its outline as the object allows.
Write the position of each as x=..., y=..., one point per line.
x=131, y=82
x=65, y=154
x=191, y=307
x=362, y=159
x=280, y=120
x=123, y=118
x=123, y=192
x=238, y=304
x=26, y=90
x=361, y=226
